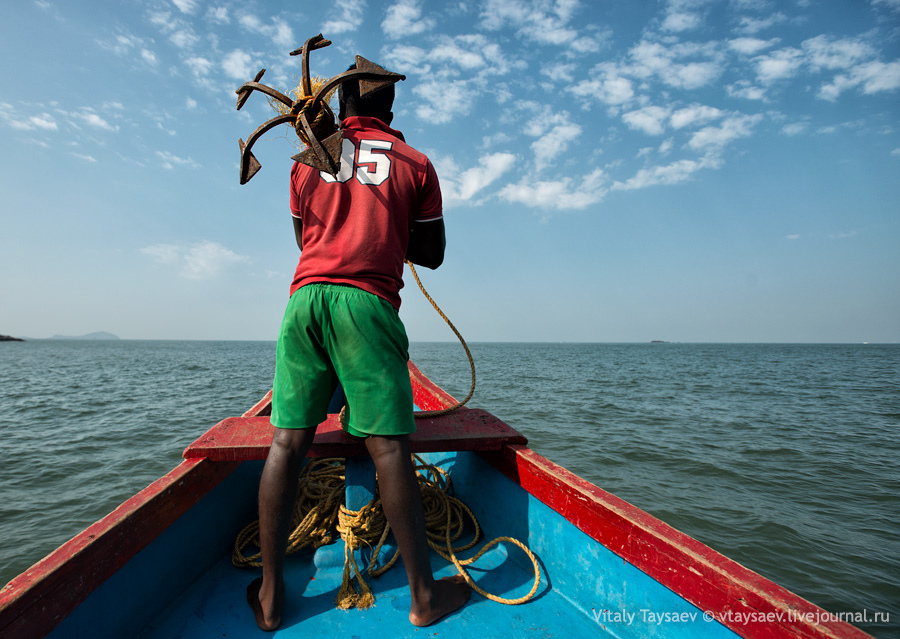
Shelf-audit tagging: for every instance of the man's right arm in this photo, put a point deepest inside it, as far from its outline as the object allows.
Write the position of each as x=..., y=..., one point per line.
x=427, y=241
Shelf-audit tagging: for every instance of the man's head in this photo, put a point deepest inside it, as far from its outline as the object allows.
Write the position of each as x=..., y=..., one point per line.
x=377, y=104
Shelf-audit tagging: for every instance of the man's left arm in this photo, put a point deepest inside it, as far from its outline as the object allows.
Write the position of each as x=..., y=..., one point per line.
x=427, y=241
x=298, y=231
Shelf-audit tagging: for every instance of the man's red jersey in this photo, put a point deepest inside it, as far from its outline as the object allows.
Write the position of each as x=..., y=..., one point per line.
x=356, y=227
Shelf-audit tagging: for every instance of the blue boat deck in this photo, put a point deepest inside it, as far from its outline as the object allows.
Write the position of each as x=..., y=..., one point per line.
x=215, y=606
x=197, y=593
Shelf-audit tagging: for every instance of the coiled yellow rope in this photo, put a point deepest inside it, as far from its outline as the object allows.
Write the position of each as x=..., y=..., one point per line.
x=319, y=513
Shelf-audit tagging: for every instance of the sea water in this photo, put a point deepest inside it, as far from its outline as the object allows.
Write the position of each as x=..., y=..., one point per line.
x=782, y=457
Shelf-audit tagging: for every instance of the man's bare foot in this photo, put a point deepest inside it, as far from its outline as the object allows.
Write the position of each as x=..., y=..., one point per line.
x=266, y=609
x=449, y=594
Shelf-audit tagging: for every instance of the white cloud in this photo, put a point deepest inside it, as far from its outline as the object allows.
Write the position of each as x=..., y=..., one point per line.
x=716, y=137
x=198, y=261
x=554, y=133
x=750, y=46
x=743, y=89
x=170, y=160
x=404, y=18
x=186, y=6
x=277, y=30
x=872, y=77
x=200, y=66
x=92, y=119
x=605, y=85
x=674, y=173
x=219, y=15
x=544, y=21
x=793, y=236
x=795, y=128
x=236, y=64
x=694, y=115
x=566, y=193
x=44, y=121
x=825, y=53
x=347, y=16
x=461, y=186
x=164, y=21
x=407, y=59
x=778, y=65
x=190, y=103
x=651, y=59
x=184, y=38
x=559, y=71
x=148, y=56
x=444, y=100
x=682, y=21
x=86, y=158
x=649, y=120
x=755, y=25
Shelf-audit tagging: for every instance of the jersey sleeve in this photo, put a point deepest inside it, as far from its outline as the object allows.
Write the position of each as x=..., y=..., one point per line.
x=431, y=205
x=295, y=195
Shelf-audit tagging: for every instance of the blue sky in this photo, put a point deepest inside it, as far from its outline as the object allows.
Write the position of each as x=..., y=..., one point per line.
x=683, y=170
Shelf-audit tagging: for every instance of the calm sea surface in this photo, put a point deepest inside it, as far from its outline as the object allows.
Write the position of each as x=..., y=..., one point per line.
x=785, y=458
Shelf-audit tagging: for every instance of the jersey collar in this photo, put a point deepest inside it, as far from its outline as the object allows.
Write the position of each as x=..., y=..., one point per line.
x=359, y=122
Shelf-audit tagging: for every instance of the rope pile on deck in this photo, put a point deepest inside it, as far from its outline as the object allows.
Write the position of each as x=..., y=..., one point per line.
x=320, y=516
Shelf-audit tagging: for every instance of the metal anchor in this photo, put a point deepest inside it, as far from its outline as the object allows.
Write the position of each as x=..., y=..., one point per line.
x=322, y=134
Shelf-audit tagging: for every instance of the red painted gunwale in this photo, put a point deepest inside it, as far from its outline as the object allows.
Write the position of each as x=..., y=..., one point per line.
x=33, y=603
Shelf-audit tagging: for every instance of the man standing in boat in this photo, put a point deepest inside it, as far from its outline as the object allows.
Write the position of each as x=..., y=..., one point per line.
x=342, y=326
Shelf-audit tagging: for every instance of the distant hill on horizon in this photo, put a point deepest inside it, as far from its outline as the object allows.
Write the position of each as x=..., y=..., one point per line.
x=97, y=335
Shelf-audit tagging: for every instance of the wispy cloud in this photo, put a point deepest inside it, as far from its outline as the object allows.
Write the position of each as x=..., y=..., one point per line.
x=95, y=121
x=713, y=138
x=537, y=20
x=171, y=161
x=869, y=77
x=751, y=46
x=237, y=64
x=404, y=18
x=186, y=6
x=444, y=100
x=346, y=16
x=277, y=29
x=669, y=174
x=650, y=119
x=199, y=261
x=562, y=194
x=461, y=186
x=43, y=121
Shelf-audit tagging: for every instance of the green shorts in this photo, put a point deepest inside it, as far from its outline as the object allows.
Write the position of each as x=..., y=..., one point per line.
x=332, y=333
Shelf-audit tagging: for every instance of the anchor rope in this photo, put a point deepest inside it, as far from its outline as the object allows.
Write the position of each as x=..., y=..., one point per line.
x=319, y=515
x=450, y=409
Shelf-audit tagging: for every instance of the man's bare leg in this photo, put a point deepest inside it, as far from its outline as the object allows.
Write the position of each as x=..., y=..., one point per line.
x=277, y=495
x=402, y=503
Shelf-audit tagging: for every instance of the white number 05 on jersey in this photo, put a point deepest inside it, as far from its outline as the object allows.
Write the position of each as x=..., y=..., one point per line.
x=368, y=165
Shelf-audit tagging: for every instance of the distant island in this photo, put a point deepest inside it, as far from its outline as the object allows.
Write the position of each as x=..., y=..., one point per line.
x=658, y=341
x=8, y=338
x=98, y=335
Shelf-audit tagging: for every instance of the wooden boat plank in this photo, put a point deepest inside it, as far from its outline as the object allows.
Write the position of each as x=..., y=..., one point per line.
x=246, y=438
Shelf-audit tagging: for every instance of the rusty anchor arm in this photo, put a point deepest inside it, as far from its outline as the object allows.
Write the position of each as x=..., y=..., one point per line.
x=324, y=155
